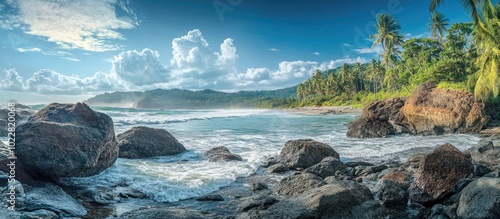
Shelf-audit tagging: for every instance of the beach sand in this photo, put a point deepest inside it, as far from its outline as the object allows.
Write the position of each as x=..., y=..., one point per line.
x=323, y=110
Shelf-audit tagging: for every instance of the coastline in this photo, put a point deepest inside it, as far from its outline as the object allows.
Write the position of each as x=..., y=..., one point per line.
x=323, y=110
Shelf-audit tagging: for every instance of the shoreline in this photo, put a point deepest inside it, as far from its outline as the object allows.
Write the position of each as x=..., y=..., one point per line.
x=323, y=110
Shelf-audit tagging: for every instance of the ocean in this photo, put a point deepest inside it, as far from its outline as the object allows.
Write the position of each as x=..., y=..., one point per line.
x=255, y=135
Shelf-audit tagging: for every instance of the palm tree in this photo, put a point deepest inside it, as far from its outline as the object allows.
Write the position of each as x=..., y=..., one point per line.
x=473, y=5
x=389, y=36
x=438, y=25
x=487, y=82
x=375, y=72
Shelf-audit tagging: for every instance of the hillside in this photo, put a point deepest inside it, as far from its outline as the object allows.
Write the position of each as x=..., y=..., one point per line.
x=204, y=99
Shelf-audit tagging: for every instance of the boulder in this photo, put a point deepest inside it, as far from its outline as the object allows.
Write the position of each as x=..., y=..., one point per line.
x=277, y=168
x=431, y=110
x=390, y=194
x=143, y=142
x=335, y=200
x=162, y=213
x=480, y=199
x=51, y=197
x=251, y=207
x=65, y=140
x=364, y=128
x=378, y=119
x=213, y=197
x=485, y=153
x=438, y=173
x=297, y=183
x=304, y=153
x=327, y=167
x=221, y=154
x=399, y=178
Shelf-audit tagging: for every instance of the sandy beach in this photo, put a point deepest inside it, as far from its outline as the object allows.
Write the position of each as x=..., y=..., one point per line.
x=324, y=110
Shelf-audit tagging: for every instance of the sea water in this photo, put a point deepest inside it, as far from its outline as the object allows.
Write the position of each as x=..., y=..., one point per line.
x=255, y=135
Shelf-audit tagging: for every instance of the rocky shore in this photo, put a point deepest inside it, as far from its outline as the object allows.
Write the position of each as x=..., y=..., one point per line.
x=323, y=110
x=308, y=179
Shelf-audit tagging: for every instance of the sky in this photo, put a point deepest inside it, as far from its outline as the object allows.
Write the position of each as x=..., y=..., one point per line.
x=69, y=50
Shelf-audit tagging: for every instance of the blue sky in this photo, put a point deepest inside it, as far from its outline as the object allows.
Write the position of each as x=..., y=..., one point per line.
x=66, y=51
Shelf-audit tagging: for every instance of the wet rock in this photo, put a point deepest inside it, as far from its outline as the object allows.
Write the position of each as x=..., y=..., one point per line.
x=431, y=110
x=438, y=173
x=213, y=198
x=363, y=171
x=257, y=186
x=335, y=200
x=144, y=142
x=363, y=128
x=22, y=114
x=39, y=214
x=327, y=167
x=440, y=211
x=390, y=194
x=378, y=119
x=486, y=154
x=480, y=199
x=399, y=178
x=162, y=213
x=481, y=170
x=65, y=140
x=251, y=207
x=305, y=153
x=297, y=183
x=277, y=168
x=221, y=154
x=52, y=198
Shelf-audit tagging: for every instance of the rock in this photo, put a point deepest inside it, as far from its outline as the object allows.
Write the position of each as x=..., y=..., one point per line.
x=304, y=153
x=277, y=168
x=431, y=110
x=297, y=183
x=221, y=154
x=257, y=186
x=371, y=169
x=481, y=170
x=334, y=200
x=379, y=119
x=66, y=140
x=480, y=199
x=251, y=207
x=214, y=198
x=438, y=173
x=363, y=128
x=440, y=211
x=143, y=142
x=162, y=213
x=21, y=173
x=52, y=198
x=327, y=167
x=485, y=153
x=399, y=178
x=391, y=194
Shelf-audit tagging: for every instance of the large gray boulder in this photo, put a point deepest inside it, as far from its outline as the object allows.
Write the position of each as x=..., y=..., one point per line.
x=304, y=153
x=480, y=199
x=65, y=140
x=297, y=183
x=327, y=167
x=438, y=173
x=221, y=154
x=144, y=142
x=52, y=198
x=335, y=200
x=485, y=153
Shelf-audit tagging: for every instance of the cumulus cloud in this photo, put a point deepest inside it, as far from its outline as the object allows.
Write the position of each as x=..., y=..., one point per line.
x=140, y=68
x=12, y=81
x=87, y=24
x=368, y=50
x=194, y=65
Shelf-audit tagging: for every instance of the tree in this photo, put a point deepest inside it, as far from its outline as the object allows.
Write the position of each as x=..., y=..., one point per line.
x=473, y=5
x=375, y=74
x=389, y=36
x=438, y=25
x=488, y=41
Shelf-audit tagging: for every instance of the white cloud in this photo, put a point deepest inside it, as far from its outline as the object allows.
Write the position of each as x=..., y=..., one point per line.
x=71, y=59
x=194, y=66
x=274, y=50
x=12, y=81
x=28, y=49
x=87, y=24
x=140, y=68
x=368, y=50
x=316, y=53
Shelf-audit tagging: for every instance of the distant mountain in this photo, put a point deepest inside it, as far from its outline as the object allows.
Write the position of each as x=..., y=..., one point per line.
x=185, y=99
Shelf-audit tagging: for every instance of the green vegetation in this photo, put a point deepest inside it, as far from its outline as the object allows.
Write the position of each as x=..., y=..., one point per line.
x=467, y=57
